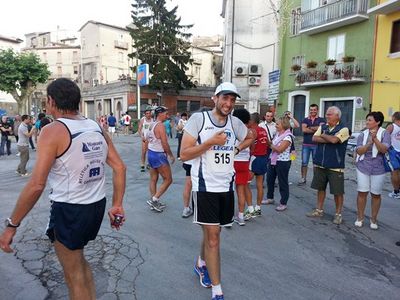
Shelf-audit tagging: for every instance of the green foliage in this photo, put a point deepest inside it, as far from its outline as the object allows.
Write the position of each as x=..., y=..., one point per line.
x=19, y=74
x=160, y=41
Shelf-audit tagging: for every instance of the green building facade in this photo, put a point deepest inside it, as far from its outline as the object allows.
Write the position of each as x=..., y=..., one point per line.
x=318, y=31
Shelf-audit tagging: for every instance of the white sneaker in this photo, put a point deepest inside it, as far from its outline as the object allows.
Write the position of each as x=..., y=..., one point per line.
x=187, y=212
x=373, y=226
x=359, y=223
x=394, y=195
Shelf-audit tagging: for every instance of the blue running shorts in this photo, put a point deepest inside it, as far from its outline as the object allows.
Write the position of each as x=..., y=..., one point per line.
x=157, y=159
x=74, y=225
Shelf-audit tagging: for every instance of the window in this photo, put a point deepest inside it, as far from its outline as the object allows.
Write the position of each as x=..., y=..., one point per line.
x=59, y=57
x=75, y=56
x=45, y=56
x=295, y=21
x=120, y=57
x=336, y=47
x=75, y=70
x=298, y=60
x=395, y=41
x=194, y=106
x=181, y=105
x=309, y=4
x=59, y=71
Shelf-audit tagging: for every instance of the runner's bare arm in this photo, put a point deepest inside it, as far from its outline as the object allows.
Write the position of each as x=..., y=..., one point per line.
x=160, y=133
x=190, y=150
x=249, y=140
x=54, y=140
x=119, y=179
x=140, y=127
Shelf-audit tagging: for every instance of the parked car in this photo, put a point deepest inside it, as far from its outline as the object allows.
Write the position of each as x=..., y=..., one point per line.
x=352, y=142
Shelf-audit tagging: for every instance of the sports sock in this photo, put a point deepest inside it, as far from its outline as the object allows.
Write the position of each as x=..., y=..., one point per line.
x=250, y=208
x=216, y=290
x=200, y=262
x=258, y=207
x=155, y=199
x=240, y=215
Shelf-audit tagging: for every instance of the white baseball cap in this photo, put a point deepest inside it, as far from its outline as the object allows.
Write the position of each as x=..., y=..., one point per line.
x=226, y=88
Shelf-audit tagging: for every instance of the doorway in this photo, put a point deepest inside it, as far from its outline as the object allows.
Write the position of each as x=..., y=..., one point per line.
x=299, y=110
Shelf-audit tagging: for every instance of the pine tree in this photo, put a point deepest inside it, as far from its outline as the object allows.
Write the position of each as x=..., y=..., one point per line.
x=160, y=41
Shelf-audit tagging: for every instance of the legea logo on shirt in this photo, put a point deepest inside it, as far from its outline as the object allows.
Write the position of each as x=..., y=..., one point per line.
x=209, y=128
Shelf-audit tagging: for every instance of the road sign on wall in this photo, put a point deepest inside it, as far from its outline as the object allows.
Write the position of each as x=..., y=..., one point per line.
x=273, y=87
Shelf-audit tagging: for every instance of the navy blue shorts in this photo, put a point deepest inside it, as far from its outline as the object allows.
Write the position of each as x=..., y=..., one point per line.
x=74, y=225
x=187, y=168
x=157, y=159
x=258, y=164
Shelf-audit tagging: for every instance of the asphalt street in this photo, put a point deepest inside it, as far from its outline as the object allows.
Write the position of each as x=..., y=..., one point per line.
x=280, y=255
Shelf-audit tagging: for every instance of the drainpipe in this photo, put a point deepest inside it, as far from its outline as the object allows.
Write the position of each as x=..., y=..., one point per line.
x=233, y=38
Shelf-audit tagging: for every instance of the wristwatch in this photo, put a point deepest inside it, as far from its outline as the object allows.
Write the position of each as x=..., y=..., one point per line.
x=9, y=223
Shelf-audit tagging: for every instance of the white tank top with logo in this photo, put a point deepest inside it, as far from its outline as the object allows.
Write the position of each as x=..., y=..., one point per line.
x=154, y=142
x=146, y=126
x=77, y=175
x=395, y=137
x=213, y=171
x=243, y=155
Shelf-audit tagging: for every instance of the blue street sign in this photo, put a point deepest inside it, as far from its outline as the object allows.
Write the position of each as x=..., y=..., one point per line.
x=143, y=74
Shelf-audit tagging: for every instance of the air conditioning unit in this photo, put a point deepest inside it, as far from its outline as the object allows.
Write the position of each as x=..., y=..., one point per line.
x=241, y=69
x=255, y=70
x=254, y=80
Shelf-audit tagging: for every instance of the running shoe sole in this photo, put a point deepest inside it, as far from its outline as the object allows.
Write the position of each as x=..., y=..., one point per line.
x=198, y=273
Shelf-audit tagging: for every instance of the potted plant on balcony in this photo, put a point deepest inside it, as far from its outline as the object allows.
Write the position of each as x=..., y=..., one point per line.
x=311, y=64
x=295, y=68
x=348, y=58
x=330, y=62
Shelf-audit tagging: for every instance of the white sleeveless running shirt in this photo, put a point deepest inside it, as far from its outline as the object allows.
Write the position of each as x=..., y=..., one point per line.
x=395, y=137
x=146, y=126
x=213, y=171
x=77, y=175
x=154, y=142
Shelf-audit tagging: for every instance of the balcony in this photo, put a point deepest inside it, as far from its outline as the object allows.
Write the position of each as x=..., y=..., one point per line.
x=334, y=15
x=385, y=8
x=340, y=73
x=121, y=45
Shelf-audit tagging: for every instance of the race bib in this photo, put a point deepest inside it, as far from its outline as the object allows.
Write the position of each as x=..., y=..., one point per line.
x=220, y=161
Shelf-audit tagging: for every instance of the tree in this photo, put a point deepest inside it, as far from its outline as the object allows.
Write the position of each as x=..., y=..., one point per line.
x=160, y=41
x=19, y=74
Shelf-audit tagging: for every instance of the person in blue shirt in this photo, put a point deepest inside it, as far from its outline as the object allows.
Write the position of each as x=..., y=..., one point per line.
x=112, y=121
x=309, y=126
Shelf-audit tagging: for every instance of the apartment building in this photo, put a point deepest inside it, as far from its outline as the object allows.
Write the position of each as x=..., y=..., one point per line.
x=386, y=66
x=326, y=58
x=250, y=48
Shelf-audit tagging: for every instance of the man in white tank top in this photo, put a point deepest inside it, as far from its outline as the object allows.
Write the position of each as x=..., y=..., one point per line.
x=72, y=152
x=209, y=141
x=144, y=126
x=394, y=130
x=157, y=155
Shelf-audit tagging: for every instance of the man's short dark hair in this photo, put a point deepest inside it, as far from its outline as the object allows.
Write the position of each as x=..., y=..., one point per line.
x=65, y=93
x=396, y=116
x=314, y=105
x=24, y=117
x=184, y=114
x=255, y=117
x=242, y=114
x=378, y=117
x=41, y=116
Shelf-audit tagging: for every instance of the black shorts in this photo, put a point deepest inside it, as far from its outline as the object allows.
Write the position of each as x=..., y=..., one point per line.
x=187, y=168
x=74, y=225
x=213, y=208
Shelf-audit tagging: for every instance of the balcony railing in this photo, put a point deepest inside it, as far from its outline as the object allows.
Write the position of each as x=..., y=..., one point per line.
x=334, y=15
x=340, y=73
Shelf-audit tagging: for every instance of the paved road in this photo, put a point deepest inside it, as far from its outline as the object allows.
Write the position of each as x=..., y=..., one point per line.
x=276, y=256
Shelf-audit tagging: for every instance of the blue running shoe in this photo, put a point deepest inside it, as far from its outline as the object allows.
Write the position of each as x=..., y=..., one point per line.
x=218, y=297
x=202, y=272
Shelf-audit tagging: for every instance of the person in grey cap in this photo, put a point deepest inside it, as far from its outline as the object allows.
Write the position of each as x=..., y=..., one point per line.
x=157, y=154
x=209, y=141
